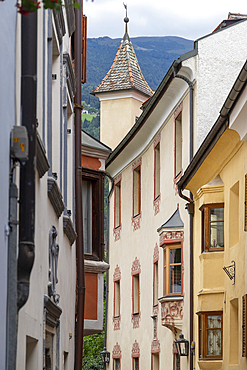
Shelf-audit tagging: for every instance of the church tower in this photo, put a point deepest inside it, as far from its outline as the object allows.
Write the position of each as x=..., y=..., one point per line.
x=121, y=93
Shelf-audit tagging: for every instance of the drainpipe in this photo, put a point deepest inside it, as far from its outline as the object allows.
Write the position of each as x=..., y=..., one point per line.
x=27, y=172
x=190, y=209
x=78, y=195
x=107, y=259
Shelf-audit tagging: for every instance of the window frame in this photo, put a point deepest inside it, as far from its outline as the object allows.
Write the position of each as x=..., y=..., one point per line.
x=166, y=274
x=157, y=170
x=202, y=335
x=155, y=282
x=138, y=185
x=117, y=281
x=117, y=204
x=116, y=359
x=178, y=172
x=134, y=293
x=97, y=180
x=205, y=230
x=134, y=358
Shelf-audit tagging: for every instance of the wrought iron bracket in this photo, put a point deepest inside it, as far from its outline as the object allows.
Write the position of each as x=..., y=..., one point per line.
x=230, y=271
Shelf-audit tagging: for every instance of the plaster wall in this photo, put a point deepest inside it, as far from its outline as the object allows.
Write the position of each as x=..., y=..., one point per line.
x=7, y=121
x=117, y=117
x=141, y=243
x=221, y=56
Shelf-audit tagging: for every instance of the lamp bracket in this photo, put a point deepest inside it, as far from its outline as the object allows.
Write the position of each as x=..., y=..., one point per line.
x=230, y=271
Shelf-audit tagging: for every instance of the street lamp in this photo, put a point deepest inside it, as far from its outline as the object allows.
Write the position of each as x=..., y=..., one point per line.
x=182, y=345
x=105, y=356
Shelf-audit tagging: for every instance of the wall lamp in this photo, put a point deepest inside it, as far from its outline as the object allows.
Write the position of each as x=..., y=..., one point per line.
x=182, y=346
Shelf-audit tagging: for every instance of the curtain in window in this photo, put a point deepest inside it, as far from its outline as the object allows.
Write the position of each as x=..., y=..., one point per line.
x=214, y=335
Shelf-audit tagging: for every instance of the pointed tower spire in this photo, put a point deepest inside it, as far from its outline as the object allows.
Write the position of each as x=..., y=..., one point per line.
x=125, y=72
x=121, y=93
x=126, y=20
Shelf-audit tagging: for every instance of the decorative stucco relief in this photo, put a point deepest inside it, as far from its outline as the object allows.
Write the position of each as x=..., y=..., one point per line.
x=136, y=222
x=171, y=235
x=116, y=323
x=136, y=320
x=117, y=233
x=156, y=253
x=156, y=205
x=136, y=267
x=116, y=352
x=135, y=350
x=172, y=314
x=155, y=346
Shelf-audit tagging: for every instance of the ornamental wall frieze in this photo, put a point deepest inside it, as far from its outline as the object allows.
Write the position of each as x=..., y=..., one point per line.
x=136, y=267
x=116, y=352
x=156, y=309
x=136, y=222
x=117, y=274
x=156, y=205
x=155, y=346
x=171, y=235
x=136, y=320
x=116, y=323
x=135, y=349
x=117, y=233
x=156, y=253
x=137, y=163
x=172, y=314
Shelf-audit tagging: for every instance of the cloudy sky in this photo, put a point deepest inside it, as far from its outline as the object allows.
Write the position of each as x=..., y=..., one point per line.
x=186, y=18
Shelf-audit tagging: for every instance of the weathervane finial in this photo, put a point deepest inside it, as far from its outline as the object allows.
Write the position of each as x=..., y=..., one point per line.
x=126, y=20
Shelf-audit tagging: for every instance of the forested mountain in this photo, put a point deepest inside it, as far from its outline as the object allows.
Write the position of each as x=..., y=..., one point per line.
x=154, y=54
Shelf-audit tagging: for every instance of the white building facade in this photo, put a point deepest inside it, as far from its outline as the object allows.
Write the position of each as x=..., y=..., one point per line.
x=149, y=246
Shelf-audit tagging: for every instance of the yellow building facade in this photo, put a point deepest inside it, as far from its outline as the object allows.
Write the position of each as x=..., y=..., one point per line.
x=217, y=179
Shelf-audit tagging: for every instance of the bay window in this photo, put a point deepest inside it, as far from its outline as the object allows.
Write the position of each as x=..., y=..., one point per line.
x=172, y=269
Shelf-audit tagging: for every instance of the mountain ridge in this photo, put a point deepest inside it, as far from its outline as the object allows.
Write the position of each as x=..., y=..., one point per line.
x=155, y=54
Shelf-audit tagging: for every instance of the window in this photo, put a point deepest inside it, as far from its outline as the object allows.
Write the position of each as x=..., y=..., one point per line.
x=155, y=282
x=155, y=361
x=172, y=269
x=210, y=335
x=117, y=221
x=116, y=364
x=117, y=298
x=93, y=213
x=87, y=216
x=157, y=171
x=212, y=227
x=136, y=363
x=178, y=144
x=234, y=215
x=135, y=293
x=137, y=191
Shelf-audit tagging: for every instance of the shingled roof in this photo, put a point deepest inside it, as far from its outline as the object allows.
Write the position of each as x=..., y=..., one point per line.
x=125, y=72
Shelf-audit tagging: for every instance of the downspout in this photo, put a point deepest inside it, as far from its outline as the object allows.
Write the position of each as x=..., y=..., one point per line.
x=107, y=259
x=190, y=209
x=28, y=169
x=78, y=195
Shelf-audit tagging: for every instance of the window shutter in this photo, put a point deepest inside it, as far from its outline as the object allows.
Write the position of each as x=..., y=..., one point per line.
x=244, y=349
x=245, y=205
x=84, y=50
